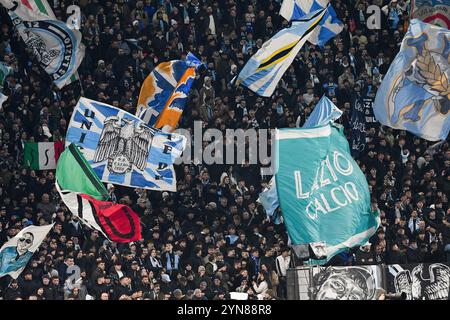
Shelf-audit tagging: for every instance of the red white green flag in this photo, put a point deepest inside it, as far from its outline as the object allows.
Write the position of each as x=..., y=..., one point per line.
x=42, y=155
x=30, y=10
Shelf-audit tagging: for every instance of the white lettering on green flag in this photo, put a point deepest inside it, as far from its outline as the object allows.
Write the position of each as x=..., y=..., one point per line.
x=324, y=196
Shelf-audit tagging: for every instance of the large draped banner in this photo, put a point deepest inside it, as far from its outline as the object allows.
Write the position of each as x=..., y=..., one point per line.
x=323, y=194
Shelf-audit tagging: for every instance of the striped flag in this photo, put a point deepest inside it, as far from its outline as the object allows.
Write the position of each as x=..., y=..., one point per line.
x=42, y=155
x=265, y=68
x=30, y=10
x=328, y=27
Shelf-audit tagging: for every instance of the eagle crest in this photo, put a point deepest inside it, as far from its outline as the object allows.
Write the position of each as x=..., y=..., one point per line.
x=123, y=144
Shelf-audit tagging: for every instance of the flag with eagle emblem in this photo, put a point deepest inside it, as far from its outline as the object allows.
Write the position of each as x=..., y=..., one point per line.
x=415, y=93
x=122, y=149
x=264, y=70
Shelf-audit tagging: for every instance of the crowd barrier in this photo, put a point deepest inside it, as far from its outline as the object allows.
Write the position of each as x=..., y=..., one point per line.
x=425, y=281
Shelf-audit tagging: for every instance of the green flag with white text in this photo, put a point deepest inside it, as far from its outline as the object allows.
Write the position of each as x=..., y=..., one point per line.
x=74, y=173
x=323, y=194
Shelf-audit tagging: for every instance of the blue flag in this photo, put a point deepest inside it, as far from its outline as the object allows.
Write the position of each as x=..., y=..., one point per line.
x=324, y=113
x=329, y=26
x=415, y=93
x=122, y=149
x=323, y=194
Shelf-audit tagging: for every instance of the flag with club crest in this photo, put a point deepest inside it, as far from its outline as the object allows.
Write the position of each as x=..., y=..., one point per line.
x=265, y=68
x=436, y=12
x=5, y=70
x=57, y=48
x=328, y=27
x=415, y=92
x=17, y=251
x=30, y=10
x=165, y=91
x=122, y=149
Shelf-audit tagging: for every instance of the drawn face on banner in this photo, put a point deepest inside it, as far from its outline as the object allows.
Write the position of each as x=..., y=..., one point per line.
x=351, y=283
x=24, y=243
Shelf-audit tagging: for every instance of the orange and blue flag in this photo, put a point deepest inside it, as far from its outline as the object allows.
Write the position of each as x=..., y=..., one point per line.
x=164, y=92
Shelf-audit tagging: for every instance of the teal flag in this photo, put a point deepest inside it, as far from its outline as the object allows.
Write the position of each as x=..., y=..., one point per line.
x=323, y=194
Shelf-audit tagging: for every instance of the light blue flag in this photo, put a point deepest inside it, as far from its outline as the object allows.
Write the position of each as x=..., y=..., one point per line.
x=265, y=68
x=269, y=200
x=415, y=93
x=16, y=252
x=328, y=27
x=323, y=194
x=122, y=149
x=324, y=113
x=58, y=48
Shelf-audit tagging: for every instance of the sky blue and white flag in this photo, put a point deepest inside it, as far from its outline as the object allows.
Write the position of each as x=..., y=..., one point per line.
x=17, y=251
x=269, y=200
x=265, y=68
x=323, y=194
x=324, y=112
x=415, y=93
x=328, y=27
x=122, y=149
x=57, y=47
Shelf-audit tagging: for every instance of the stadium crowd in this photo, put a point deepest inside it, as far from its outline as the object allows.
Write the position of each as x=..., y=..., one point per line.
x=211, y=237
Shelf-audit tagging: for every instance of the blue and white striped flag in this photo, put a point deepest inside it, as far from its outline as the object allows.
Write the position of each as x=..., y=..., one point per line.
x=328, y=27
x=122, y=149
x=265, y=68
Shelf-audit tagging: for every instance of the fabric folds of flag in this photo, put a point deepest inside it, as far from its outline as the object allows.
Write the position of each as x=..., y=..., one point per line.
x=324, y=197
x=74, y=173
x=58, y=48
x=17, y=251
x=328, y=27
x=415, y=92
x=324, y=112
x=30, y=10
x=5, y=70
x=122, y=149
x=117, y=222
x=165, y=91
x=264, y=70
x=42, y=155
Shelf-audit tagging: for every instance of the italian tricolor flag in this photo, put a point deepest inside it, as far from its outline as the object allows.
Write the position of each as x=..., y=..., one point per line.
x=42, y=155
x=32, y=10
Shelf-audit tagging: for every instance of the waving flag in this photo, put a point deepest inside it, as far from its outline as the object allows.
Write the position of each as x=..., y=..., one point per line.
x=57, y=48
x=74, y=173
x=83, y=193
x=323, y=194
x=436, y=12
x=264, y=70
x=415, y=93
x=17, y=251
x=42, y=155
x=328, y=27
x=164, y=92
x=30, y=10
x=324, y=113
x=122, y=149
